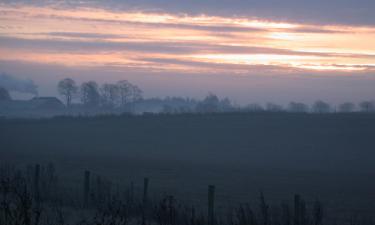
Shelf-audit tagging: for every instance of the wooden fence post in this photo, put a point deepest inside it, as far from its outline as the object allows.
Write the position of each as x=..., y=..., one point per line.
x=211, y=202
x=131, y=192
x=37, y=182
x=86, y=189
x=145, y=200
x=145, y=191
x=297, y=200
x=192, y=215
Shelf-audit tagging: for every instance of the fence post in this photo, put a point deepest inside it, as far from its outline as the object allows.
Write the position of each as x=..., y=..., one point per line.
x=145, y=191
x=192, y=215
x=37, y=182
x=297, y=208
x=211, y=202
x=131, y=192
x=86, y=189
x=144, y=200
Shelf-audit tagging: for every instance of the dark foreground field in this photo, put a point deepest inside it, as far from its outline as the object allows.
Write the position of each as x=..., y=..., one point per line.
x=327, y=157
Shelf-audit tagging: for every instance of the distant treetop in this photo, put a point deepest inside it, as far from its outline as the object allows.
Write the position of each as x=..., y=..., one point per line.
x=4, y=94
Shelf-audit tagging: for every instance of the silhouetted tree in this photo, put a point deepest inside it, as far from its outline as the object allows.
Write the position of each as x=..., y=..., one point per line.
x=124, y=91
x=367, y=106
x=167, y=109
x=254, y=107
x=346, y=107
x=4, y=94
x=128, y=92
x=136, y=93
x=109, y=94
x=68, y=89
x=298, y=107
x=209, y=104
x=226, y=105
x=321, y=107
x=90, y=94
x=271, y=107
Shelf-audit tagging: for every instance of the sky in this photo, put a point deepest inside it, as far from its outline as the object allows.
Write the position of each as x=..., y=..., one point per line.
x=248, y=50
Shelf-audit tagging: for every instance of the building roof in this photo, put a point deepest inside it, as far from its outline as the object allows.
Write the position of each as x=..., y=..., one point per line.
x=46, y=102
x=32, y=104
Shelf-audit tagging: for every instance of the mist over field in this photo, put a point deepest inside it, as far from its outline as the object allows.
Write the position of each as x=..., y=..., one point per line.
x=157, y=112
x=326, y=157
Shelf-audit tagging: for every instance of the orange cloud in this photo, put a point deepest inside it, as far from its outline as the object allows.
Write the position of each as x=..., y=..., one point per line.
x=92, y=37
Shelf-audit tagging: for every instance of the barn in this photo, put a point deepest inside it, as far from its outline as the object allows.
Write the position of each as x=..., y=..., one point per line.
x=46, y=103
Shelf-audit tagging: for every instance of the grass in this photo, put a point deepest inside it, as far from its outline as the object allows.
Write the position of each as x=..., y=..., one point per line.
x=327, y=157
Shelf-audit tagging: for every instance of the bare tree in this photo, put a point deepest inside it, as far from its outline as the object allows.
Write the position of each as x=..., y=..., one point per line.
x=4, y=94
x=136, y=93
x=128, y=92
x=109, y=94
x=209, y=104
x=90, y=94
x=226, y=105
x=67, y=88
x=346, y=107
x=254, y=107
x=321, y=107
x=124, y=91
x=298, y=107
x=367, y=106
x=167, y=109
x=271, y=107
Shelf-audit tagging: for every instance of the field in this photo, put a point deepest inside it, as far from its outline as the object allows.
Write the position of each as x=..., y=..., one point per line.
x=329, y=157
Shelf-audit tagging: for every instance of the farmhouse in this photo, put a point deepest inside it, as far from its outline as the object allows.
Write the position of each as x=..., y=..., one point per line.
x=36, y=103
x=46, y=103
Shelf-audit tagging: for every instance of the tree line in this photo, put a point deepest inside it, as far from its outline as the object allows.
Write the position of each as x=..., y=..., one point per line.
x=92, y=95
x=318, y=106
x=123, y=94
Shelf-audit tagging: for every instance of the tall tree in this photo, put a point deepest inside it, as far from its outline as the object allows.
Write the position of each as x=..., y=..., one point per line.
x=298, y=107
x=346, y=107
x=321, y=107
x=272, y=107
x=109, y=94
x=128, y=92
x=254, y=107
x=124, y=91
x=4, y=94
x=136, y=93
x=367, y=106
x=90, y=96
x=209, y=104
x=68, y=89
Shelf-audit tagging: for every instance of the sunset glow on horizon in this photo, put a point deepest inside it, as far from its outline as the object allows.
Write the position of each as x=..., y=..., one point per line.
x=89, y=37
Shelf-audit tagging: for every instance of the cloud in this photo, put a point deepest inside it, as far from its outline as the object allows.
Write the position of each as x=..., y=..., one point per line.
x=354, y=12
x=248, y=49
x=87, y=47
x=185, y=47
x=318, y=11
x=11, y=83
x=83, y=35
x=260, y=68
x=255, y=86
x=94, y=36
